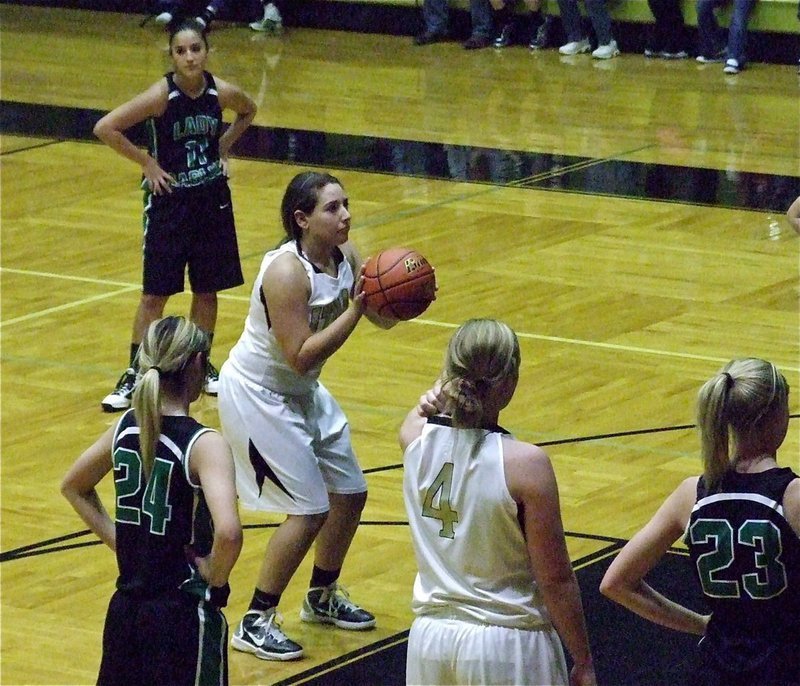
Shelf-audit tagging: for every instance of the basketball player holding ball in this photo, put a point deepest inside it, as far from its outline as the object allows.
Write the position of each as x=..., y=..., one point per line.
x=290, y=439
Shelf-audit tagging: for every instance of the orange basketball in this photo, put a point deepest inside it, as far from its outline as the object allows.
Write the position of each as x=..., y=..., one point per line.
x=399, y=283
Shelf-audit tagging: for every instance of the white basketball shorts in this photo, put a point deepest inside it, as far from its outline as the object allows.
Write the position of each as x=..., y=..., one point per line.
x=290, y=451
x=445, y=652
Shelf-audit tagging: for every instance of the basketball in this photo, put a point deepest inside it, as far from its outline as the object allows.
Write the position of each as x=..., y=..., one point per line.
x=399, y=283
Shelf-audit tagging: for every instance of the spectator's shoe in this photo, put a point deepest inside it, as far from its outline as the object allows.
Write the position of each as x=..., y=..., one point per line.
x=120, y=398
x=272, y=22
x=211, y=384
x=680, y=55
x=732, y=66
x=607, y=51
x=259, y=633
x=428, y=37
x=576, y=47
x=163, y=18
x=503, y=39
x=543, y=37
x=477, y=42
x=717, y=57
x=331, y=605
x=651, y=54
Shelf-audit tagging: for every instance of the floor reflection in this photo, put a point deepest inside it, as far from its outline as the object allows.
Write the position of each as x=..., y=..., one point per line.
x=718, y=187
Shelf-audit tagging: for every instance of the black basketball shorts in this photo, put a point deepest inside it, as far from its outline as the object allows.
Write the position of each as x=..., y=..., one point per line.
x=194, y=228
x=175, y=639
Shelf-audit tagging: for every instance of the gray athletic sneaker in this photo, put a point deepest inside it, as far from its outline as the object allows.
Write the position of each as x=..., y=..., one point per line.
x=332, y=605
x=259, y=633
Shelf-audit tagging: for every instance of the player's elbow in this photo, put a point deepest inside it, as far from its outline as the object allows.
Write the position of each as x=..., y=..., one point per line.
x=68, y=489
x=230, y=536
x=611, y=587
x=100, y=130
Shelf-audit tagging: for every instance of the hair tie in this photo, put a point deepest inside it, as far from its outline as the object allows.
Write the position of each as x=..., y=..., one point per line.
x=158, y=369
x=728, y=380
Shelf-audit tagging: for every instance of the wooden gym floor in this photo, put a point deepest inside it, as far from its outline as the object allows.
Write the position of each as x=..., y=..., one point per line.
x=625, y=217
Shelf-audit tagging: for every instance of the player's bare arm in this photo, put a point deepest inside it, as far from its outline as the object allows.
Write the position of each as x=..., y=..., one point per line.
x=78, y=487
x=286, y=289
x=110, y=129
x=624, y=580
x=234, y=98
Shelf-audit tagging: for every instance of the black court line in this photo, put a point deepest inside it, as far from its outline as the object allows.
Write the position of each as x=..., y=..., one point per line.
x=28, y=148
x=49, y=545
x=539, y=170
x=581, y=439
x=618, y=636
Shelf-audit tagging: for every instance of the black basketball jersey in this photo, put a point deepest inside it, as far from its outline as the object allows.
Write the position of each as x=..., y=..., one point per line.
x=185, y=139
x=747, y=558
x=157, y=517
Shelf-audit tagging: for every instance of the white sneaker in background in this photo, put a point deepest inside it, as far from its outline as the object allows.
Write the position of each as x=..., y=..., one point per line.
x=575, y=47
x=272, y=22
x=163, y=18
x=607, y=51
x=732, y=66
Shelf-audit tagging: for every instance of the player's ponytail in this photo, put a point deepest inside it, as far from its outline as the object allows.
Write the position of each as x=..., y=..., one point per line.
x=481, y=354
x=735, y=404
x=166, y=351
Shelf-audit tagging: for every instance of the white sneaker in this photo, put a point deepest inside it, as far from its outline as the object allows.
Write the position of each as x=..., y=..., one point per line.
x=163, y=18
x=120, y=398
x=606, y=52
x=272, y=22
x=575, y=47
x=732, y=66
x=211, y=384
x=718, y=57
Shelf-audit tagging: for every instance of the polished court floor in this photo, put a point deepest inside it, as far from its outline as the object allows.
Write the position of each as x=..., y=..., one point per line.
x=625, y=217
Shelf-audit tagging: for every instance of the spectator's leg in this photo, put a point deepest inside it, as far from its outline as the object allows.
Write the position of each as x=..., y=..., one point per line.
x=571, y=19
x=481, y=15
x=601, y=20
x=708, y=28
x=435, y=14
x=656, y=40
x=737, y=31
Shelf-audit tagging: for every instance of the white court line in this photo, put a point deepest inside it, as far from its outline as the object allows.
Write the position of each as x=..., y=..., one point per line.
x=67, y=306
x=608, y=346
x=127, y=287
x=124, y=287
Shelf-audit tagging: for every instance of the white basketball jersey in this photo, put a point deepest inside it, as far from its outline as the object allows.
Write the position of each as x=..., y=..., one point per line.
x=257, y=355
x=471, y=555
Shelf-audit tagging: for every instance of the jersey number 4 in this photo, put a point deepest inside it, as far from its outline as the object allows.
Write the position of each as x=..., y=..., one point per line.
x=762, y=537
x=439, y=491
x=128, y=481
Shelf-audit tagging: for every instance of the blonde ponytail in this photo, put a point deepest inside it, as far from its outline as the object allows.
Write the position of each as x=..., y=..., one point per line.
x=165, y=353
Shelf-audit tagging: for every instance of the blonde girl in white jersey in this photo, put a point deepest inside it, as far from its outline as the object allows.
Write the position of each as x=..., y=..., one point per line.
x=495, y=587
x=290, y=439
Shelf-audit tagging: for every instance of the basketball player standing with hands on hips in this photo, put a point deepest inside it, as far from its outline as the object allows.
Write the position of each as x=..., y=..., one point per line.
x=741, y=522
x=290, y=439
x=177, y=532
x=494, y=575
x=188, y=217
